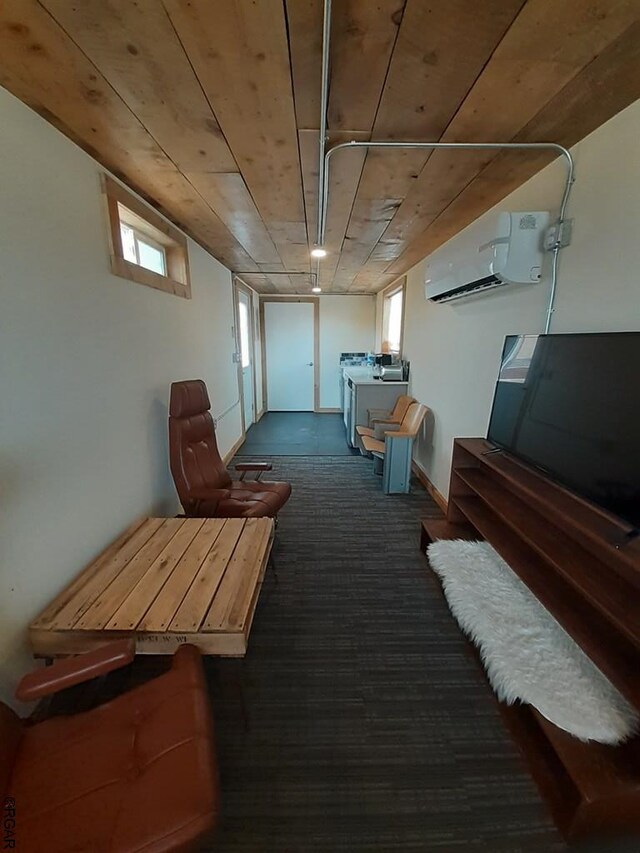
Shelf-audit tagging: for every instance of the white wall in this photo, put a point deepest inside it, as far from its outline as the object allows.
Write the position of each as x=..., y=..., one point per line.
x=86, y=360
x=347, y=324
x=454, y=348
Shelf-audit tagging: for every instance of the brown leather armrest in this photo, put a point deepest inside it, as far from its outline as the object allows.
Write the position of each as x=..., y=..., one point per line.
x=74, y=670
x=253, y=466
x=260, y=467
x=400, y=434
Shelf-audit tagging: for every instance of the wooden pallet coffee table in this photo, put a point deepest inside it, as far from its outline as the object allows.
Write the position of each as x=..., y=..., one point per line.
x=167, y=581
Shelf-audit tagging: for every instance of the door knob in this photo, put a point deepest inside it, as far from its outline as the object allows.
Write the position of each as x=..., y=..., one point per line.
x=310, y=364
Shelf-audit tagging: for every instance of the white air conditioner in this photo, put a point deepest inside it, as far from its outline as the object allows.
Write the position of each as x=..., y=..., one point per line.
x=508, y=249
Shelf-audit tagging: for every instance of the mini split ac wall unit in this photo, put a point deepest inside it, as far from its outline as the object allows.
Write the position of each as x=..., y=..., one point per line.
x=510, y=252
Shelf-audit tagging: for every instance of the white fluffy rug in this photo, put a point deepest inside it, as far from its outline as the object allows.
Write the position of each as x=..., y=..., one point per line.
x=527, y=654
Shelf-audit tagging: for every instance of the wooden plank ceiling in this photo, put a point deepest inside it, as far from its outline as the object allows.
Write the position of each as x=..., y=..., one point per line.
x=210, y=110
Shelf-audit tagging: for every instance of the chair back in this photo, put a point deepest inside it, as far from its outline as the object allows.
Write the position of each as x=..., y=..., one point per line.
x=10, y=734
x=400, y=408
x=412, y=421
x=193, y=451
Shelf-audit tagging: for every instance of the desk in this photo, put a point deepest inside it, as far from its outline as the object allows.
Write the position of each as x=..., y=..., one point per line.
x=166, y=581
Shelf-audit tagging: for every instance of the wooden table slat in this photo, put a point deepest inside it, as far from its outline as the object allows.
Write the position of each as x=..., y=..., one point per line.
x=199, y=577
x=197, y=601
x=230, y=597
x=170, y=597
x=143, y=594
x=45, y=617
x=241, y=612
x=92, y=583
x=112, y=597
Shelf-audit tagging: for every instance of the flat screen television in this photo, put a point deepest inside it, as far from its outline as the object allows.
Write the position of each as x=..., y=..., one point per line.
x=570, y=406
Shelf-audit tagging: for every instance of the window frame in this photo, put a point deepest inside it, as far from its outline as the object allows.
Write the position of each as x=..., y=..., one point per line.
x=141, y=237
x=124, y=208
x=388, y=292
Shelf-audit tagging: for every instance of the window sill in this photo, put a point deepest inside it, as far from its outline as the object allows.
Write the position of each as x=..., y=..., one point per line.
x=133, y=272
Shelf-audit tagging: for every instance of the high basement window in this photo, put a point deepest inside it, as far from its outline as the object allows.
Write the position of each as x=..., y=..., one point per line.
x=145, y=248
x=392, y=319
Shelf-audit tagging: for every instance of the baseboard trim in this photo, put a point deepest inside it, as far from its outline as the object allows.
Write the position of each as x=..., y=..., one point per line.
x=438, y=497
x=328, y=411
x=229, y=456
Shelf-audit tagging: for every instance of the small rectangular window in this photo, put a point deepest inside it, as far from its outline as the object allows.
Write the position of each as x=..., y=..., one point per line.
x=243, y=316
x=145, y=248
x=392, y=320
x=139, y=249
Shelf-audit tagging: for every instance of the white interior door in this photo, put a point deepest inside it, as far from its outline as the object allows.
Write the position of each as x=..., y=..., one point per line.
x=246, y=357
x=289, y=350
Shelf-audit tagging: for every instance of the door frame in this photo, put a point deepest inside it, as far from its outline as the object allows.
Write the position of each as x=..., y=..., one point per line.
x=240, y=287
x=316, y=345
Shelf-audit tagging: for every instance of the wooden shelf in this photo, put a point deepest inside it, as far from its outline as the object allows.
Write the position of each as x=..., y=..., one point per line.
x=615, y=658
x=434, y=529
x=605, y=590
x=583, y=521
x=564, y=549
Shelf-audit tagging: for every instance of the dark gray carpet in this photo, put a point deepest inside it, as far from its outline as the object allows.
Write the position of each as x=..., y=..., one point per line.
x=297, y=434
x=371, y=728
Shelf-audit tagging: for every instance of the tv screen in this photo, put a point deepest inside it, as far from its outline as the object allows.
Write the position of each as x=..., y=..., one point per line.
x=570, y=405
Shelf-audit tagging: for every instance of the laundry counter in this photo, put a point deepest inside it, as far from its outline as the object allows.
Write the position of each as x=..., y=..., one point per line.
x=364, y=391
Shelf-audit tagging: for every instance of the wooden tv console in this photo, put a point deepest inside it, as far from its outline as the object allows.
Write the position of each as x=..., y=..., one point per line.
x=578, y=562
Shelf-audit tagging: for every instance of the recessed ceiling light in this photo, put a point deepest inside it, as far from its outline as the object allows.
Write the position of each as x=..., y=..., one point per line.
x=318, y=252
x=316, y=290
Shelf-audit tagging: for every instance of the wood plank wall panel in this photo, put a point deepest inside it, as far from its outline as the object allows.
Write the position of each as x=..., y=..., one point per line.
x=240, y=52
x=227, y=194
x=304, y=20
x=537, y=57
x=572, y=114
x=43, y=67
x=211, y=111
x=136, y=48
x=363, y=38
x=426, y=83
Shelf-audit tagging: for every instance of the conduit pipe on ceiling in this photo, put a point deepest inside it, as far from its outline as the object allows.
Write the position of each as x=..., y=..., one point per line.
x=312, y=275
x=325, y=156
x=324, y=105
x=553, y=146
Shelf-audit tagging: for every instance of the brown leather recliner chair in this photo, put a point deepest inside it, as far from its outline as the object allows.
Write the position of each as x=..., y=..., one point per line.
x=137, y=773
x=204, y=485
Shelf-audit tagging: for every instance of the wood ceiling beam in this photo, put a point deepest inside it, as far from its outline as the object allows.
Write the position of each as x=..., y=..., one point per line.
x=343, y=185
x=210, y=112
x=603, y=88
x=546, y=46
x=135, y=47
x=228, y=195
x=137, y=50
x=240, y=53
x=43, y=67
x=304, y=20
x=427, y=81
x=363, y=35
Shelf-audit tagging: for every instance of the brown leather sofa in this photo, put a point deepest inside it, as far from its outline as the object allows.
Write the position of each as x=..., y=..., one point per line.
x=204, y=485
x=137, y=773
